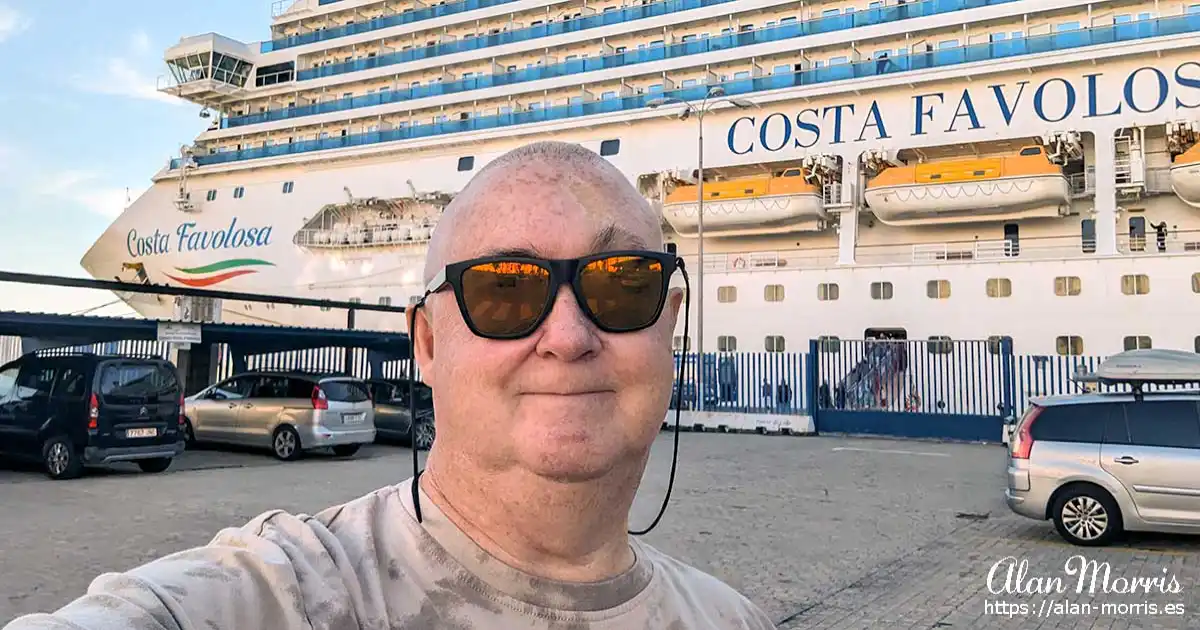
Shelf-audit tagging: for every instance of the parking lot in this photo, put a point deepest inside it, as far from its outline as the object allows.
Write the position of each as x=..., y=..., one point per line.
x=822, y=532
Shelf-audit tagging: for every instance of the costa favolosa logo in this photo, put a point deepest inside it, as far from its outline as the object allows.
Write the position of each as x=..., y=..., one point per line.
x=217, y=272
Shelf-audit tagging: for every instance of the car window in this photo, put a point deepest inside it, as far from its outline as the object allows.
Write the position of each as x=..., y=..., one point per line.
x=72, y=383
x=387, y=393
x=233, y=389
x=269, y=387
x=299, y=388
x=8, y=381
x=1070, y=423
x=1164, y=423
x=121, y=382
x=345, y=391
x=34, y=381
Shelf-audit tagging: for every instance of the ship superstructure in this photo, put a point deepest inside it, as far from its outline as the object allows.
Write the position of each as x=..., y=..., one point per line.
x=959, y=169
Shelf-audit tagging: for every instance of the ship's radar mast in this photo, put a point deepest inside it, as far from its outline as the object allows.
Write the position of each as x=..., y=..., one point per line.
x=183, y=201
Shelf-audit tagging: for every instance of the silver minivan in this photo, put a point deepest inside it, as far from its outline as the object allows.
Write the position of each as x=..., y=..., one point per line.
x=1101, y=464
x=288, y=413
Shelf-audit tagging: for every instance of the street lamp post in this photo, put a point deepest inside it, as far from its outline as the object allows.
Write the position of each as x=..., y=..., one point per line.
x=712, y=97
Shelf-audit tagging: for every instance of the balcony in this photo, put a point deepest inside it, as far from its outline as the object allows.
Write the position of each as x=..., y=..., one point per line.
x=642, y=55
x=938, y=59
x=378, y=23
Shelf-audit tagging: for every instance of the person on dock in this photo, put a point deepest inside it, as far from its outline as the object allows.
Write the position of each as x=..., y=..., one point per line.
x=545, y=334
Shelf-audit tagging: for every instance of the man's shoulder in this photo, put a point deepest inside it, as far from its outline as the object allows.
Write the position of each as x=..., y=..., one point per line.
x=705, y=592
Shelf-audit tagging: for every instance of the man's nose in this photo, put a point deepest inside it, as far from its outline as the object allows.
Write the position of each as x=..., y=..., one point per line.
x=567, y=333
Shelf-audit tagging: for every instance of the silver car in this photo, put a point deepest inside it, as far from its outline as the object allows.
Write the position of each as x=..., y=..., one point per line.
x=1102, y=464
x=288, y=413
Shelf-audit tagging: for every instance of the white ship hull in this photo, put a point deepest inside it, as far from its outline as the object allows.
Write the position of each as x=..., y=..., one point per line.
x=1015, y=100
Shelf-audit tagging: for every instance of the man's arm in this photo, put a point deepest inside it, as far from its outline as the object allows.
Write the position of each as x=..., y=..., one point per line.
x=278, y=571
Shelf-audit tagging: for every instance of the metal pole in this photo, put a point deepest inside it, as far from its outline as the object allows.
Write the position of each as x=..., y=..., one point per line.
x=700, y=265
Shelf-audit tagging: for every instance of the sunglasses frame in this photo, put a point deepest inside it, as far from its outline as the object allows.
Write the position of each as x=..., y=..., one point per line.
x=562, y=271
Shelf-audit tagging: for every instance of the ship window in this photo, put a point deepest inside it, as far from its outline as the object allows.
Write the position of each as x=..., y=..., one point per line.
x=726, y=295
x=385, y=301
x=881, y=290
x=610, y=147
x=827, y=291
x=1137, y=342
x=940, y=344
x=239, y=192
x=1196, y=344
x=726, y=343
x=830, y=344
x=937, y=289
x=1087, y=235
x=1071, y=345
x=681, y=343
x=466, y=163
x=288, y=187
x=1031, y=151
x=212, y=195
x=774, y=343
x=999, y=287
x=996, y=343
x=1196, y=283
x=792, y=172
x=773, y=293
x=355, y=300
x=1135, y=284
x=1067, y=286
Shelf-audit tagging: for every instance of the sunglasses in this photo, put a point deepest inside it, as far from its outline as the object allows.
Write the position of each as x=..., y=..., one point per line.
x=508, y=297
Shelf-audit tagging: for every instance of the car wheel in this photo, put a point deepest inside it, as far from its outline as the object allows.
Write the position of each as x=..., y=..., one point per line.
x=189, y=434
x=61, y=459
x=423, y=435
x=346, y=450
x=1087, y=516
x=156, y=465
x=285, y=444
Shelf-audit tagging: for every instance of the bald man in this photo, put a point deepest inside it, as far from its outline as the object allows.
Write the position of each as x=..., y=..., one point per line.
x=545, y=332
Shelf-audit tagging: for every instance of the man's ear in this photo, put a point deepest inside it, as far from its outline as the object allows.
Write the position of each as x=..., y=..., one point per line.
x=675, y=303
x=420, y=334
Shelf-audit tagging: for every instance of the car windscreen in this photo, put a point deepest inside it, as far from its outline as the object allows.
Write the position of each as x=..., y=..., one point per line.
x=137, y=382
x=345, y=391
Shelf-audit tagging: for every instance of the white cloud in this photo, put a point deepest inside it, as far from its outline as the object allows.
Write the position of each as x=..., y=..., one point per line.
x=121, y=78
x=12, y=22
x=140, y=43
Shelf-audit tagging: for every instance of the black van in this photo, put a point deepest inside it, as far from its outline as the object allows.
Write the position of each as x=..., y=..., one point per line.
x=85, y=410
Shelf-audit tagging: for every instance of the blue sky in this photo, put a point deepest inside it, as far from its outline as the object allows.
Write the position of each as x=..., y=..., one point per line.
x=83, y=121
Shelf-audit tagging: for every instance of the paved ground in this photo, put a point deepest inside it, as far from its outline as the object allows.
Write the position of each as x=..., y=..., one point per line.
x=822, y=532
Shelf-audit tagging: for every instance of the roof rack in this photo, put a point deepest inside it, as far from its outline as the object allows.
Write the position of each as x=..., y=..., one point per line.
x=1138, y=368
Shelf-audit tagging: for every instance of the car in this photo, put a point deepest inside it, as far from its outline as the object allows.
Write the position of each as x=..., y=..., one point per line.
x=77, y=411
x=392, y=415
x=287, y=412
x=1100, y=464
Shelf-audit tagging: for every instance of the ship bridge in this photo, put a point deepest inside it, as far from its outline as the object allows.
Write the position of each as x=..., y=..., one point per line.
x=208, y=70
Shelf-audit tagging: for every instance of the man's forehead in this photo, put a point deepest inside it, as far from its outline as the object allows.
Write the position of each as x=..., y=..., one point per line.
x=546, y=212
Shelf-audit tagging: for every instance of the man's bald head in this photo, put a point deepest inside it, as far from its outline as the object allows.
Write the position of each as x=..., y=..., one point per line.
x=542, y=177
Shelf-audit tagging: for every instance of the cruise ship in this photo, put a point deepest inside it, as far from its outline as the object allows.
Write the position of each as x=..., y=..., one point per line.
x=945, y=169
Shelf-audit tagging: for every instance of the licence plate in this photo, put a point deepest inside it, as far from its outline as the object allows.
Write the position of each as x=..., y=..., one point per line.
x=353, y=418
x=140, y=433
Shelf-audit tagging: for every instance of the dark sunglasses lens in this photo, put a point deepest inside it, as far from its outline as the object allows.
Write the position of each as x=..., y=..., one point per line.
x=623, y=292
x=505, y=298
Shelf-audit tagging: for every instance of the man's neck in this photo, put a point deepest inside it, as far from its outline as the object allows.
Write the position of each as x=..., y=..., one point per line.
x=565, y=532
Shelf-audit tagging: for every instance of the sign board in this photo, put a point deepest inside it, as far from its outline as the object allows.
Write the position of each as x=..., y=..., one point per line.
x=183, y=335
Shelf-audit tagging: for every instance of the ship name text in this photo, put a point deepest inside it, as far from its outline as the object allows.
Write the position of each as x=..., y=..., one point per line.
x=1055, y=100
x=186, y=238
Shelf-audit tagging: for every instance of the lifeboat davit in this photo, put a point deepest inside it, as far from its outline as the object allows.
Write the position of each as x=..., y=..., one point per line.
x=1185, y=176
x=1017, y=186
x=761, y=204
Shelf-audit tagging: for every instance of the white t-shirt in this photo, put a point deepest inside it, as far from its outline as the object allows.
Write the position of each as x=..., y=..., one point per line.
x=369, y=564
